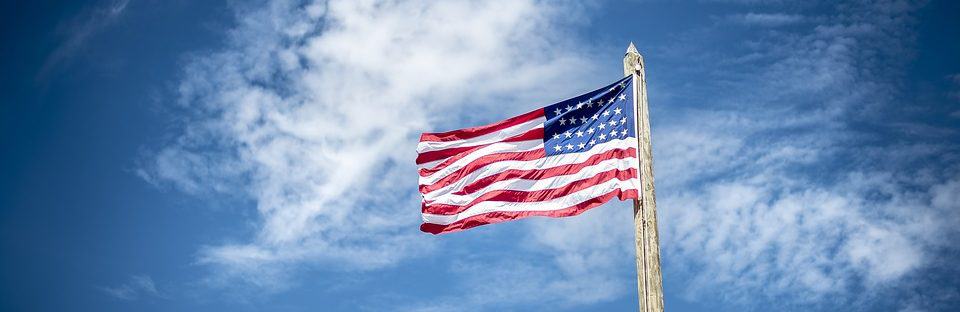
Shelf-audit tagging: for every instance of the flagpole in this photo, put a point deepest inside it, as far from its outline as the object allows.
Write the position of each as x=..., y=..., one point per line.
x=649, y=280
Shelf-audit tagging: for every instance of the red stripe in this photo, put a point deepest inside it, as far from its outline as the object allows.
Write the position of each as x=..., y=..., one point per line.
x=473, y=132
x=517, y=196
x=539, y=174
x=501, y=216
x=532, y=134
x=481, y=162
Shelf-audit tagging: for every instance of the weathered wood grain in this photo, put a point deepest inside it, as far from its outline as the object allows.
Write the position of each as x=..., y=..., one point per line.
x=649, y=279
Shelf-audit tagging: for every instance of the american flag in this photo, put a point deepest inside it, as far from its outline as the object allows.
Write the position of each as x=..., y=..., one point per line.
x=556, y=161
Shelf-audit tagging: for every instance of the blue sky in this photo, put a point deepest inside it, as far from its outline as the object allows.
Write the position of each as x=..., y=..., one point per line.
x=222, y=155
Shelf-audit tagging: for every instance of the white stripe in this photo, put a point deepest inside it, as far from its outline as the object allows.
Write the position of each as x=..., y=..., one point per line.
x=537, y=185
x=431, y=164
x=541, y=163
x=429, y=146
x=494, y=148
x=553, y=204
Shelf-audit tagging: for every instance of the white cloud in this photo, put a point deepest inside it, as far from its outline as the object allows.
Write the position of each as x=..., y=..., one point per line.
x=313, y=112
x=804, y=240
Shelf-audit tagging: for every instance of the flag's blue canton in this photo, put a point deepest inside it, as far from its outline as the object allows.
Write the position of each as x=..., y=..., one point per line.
x=580, y=123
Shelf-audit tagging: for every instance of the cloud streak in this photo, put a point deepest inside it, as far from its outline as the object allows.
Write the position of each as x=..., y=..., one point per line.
x=767, y=19
x=314, y=108
x=79, y=31
x=139, y=286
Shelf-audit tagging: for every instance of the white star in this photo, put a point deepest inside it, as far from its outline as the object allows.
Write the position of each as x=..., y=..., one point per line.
x=616, y=111
x=592, y=142
x=579, y=134
x=568, y=134
x=601, y=126
x=583, y=119
x=603, y=137
x=606, y=113
x=556, y=136
x=569, y=146
x=580, y=105
x=623, y=84
x=623, y=133
x=610, y=101
x=589, y=103
x=558, y=148
x=573, y=120
x=613, y=133
x=613, y=88
x=569, y=108
x=623, y=120
x=558, y=111
x=623, y=96
x=590, y=131
x=613, y=123
x=581, y=145
x=595, y=116
x=563, y=121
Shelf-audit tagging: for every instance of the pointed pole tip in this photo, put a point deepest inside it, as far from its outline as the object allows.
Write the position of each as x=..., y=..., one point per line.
x=632, y=48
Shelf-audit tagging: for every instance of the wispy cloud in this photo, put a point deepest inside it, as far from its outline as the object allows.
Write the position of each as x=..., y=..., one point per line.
x=139, y=286
x=784, y=187
x=313, y=110
x=79, y=30
x=766, y=19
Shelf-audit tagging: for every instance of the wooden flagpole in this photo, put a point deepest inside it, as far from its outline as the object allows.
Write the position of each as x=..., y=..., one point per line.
x=649, y=280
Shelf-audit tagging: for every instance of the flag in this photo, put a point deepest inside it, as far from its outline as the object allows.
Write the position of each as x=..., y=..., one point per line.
x=556, y=161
